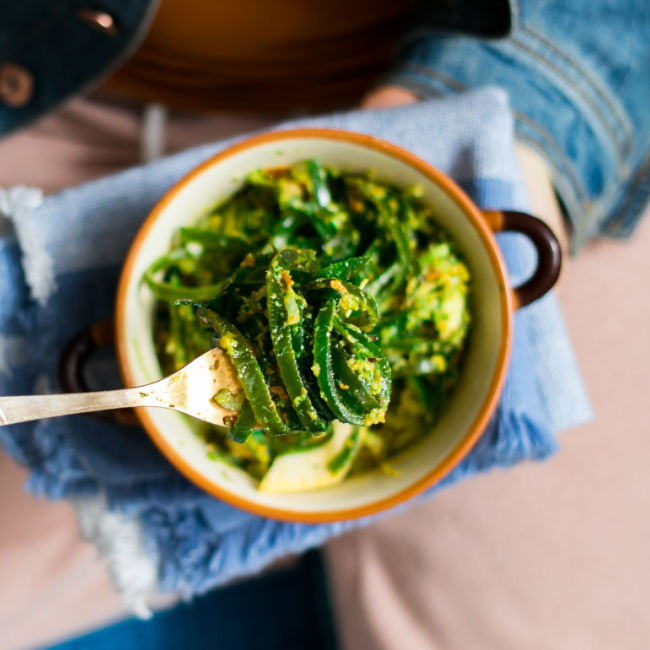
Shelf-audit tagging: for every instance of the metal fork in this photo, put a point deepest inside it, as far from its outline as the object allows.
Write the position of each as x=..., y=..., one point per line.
x=190, y=390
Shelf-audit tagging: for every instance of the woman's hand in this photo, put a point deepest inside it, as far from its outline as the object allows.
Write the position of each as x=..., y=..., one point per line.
x=387, y=96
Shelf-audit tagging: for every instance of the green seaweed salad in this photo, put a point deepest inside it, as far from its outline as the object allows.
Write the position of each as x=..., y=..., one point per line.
x=343, y=307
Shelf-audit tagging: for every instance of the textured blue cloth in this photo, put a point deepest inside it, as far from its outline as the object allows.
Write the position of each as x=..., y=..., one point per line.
x=58, y=273
x=577, y=74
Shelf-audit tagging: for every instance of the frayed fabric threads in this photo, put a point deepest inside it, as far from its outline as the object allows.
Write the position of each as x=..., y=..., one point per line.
x=19, y=198
x=118, y=539
x=19, y=204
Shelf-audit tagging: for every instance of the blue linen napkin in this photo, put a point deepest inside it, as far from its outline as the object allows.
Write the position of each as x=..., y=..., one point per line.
x=58, y=273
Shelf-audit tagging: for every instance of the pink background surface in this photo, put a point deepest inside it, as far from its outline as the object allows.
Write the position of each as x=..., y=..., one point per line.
x=551, y=555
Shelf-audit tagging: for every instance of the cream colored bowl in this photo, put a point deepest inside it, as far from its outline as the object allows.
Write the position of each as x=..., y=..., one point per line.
x=483, y=374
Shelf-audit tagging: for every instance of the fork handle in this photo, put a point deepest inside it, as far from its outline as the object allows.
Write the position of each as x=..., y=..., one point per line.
x=24, y=408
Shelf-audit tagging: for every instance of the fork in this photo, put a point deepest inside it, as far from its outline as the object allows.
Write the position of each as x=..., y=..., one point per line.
x=190, y=390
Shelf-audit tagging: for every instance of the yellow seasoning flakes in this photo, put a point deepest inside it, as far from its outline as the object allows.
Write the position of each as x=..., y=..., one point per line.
x=248, y=261
x=337, y=285
x=287, y=280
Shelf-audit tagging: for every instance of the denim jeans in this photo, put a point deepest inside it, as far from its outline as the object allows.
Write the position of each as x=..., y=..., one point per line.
x=578, y=76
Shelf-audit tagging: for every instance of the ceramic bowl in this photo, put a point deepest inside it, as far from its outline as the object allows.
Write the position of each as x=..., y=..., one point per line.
x=469, y=407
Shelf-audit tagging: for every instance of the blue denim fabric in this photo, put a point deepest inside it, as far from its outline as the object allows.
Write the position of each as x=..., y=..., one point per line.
x=64, y=54
x=578, y=75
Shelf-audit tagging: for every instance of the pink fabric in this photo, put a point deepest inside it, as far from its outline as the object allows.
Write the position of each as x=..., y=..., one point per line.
x=91, y=138
x=544, y=556
x=51, y=582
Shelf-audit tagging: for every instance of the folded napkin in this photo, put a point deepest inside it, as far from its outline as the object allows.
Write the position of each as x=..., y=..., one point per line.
x=59, y=266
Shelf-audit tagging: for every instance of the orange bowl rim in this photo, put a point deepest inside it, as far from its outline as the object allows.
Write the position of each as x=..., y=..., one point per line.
x=465, y=443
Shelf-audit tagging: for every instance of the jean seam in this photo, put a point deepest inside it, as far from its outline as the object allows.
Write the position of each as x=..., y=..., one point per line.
x=557, y=160
x=549, y=64
x=576, y=207
x=456, y=86
x=631, y=192
x=549, y=144
x=616, y=110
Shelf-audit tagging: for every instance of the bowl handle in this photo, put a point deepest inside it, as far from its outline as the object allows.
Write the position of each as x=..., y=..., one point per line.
x=73, y=359
x=549, y=254
x=549, y=262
